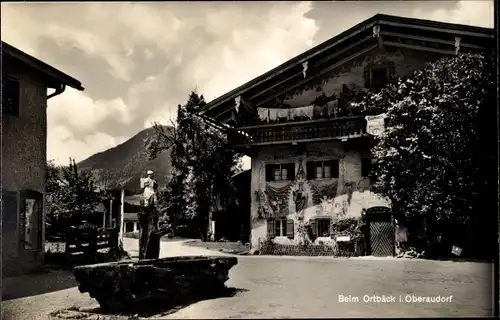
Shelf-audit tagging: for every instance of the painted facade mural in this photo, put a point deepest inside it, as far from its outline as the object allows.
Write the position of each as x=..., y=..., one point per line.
x=303, y=202
x=304, y=199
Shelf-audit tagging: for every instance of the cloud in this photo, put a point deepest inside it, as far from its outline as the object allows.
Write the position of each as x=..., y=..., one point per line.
x=62, y=144
x=77, y=124
x=477, y=13
x=78, y=111
x=138, y=61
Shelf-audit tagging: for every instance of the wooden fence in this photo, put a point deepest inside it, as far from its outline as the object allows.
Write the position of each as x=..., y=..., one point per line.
x=85, y=245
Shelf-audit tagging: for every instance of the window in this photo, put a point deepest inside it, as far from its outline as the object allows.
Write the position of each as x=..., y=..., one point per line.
x=129, y=227
x=31, y=219
x=322, y=169
x=10, y=96
x=366, y=166
x=280, y=228
x=323, y=226
x=280, y=172
x=376, y=77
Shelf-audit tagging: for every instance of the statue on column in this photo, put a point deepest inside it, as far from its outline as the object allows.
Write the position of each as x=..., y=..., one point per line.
x=149, y=239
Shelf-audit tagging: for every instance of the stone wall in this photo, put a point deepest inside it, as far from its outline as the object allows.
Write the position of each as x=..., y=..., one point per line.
x=24, y=149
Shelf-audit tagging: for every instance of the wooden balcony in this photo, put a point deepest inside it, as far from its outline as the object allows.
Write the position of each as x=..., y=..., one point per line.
x=303, y=131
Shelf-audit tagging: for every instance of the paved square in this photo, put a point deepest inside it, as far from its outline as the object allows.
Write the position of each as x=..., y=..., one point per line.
x=306, y=287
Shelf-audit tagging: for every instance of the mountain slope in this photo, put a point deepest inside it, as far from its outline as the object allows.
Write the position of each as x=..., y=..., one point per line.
x=124, y=165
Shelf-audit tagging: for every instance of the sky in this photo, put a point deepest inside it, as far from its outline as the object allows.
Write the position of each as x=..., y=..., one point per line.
x=138, y=61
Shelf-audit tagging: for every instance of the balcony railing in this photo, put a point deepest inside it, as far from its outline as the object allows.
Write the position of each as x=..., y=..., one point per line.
x=315, y=130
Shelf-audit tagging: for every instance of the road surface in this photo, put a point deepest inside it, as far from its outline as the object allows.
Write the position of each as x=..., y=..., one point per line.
x=302, y=287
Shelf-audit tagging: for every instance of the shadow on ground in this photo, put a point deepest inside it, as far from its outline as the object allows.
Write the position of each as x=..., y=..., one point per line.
x=56, y=275
x=45, y=281
x=157, y=308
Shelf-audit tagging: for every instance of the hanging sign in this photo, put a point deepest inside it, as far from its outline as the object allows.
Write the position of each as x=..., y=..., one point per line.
x=375, y=124
x=343, y=238
x=456, y=250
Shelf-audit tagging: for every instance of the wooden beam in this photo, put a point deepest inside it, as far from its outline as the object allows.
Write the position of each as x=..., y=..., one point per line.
x=419, y=48
x=230, y=117
x=266, y=143
x=338, y=64
x=442, y=30
x=297, y=123
x=288, y=65
x=224, y=112
x=245, y=103
x=315, y=66
x=419, y=38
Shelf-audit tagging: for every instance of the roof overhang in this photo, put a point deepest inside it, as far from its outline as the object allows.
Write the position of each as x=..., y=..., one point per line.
x=332, y=54
x=54, y=78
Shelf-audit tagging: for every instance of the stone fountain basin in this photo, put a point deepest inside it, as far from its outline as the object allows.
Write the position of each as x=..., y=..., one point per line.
x=125, y=285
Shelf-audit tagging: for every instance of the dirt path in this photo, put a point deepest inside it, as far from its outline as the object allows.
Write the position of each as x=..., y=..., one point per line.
x=170, y=249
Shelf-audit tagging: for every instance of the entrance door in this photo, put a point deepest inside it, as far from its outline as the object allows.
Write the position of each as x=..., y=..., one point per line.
x=382, y=239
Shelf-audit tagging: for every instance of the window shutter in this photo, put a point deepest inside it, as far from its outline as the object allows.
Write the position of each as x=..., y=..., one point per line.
x=270, y=229
x=289, y=228
x=331, y=230
x=311, y=170
x=314, y=228
x=290, y=171
x=269, y=172
x=334, y=164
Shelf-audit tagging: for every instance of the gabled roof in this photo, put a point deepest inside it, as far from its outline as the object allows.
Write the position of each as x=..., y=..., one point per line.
x=52, y=74
x=274, y=77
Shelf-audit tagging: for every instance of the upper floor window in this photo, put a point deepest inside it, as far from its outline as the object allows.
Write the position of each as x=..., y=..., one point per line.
x=280, y=172
x=366, y=167
x=10, y=95
x=322, y=169
x=31, y=203
x=377, y=76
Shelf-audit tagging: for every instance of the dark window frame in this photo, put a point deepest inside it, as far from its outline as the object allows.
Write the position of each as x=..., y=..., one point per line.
x=366, y=167
x=312, y=167
x=286, y=227
x=325, y=223
x=281, y=225
x=323, y=165
x=25, y=195
x=129, y=223
x=11, y=95
x=377, y=69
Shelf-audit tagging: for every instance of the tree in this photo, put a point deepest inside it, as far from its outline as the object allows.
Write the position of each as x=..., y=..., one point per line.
x=431, y=161
x=202, y=165
x=71, y=192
